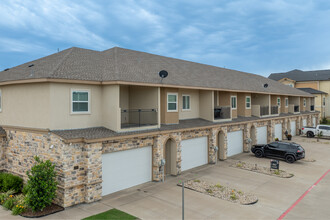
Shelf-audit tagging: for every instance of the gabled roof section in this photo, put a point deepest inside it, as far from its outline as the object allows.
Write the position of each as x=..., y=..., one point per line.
x=312, y=91
x=299, y=76
x=118, y=64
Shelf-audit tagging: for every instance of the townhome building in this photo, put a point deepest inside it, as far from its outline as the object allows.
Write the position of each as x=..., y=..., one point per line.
x=316, y=82
x=118, y=118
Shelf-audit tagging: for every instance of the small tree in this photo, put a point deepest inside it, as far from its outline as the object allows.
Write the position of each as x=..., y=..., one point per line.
x=42, y=184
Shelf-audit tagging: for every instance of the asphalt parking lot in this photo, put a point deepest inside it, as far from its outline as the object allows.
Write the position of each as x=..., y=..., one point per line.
x=276, y=195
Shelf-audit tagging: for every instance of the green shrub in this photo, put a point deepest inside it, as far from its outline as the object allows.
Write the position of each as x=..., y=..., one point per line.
x=12, y=182
x=42, y=185
x=324, y=121
x=218, y=185
x=25, y=189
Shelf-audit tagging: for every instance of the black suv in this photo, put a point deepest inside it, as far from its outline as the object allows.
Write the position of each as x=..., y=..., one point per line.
x=288, y=151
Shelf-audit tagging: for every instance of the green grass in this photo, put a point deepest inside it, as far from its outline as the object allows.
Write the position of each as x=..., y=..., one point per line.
x=111, y=214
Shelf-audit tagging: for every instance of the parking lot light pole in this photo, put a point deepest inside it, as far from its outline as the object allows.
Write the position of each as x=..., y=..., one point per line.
x=182, y=200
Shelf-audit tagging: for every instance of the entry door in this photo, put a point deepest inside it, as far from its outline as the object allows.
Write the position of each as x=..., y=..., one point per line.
x=304, y=122
x=314, y=122
x=293, y=128
x=262, y=135
x=194, y=153
x=235, y=143
x=278, y=131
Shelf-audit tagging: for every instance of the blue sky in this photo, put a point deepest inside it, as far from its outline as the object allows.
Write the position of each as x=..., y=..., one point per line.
x=254, y=36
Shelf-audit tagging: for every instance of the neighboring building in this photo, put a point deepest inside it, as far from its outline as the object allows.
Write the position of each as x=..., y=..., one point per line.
x=106, y=119
x=319, y=80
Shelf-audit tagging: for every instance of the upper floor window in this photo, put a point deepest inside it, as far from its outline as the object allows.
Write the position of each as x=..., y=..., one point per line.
x=286, y=102
x=248, y=102
x=233, y=102
x=304, y=102
x=172, y=102
x=323, y=102
x=278, y=101
x=80, y=101
x=186, y=102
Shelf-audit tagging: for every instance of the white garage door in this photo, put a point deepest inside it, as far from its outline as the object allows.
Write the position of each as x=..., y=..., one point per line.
x=293, y=128
x=304, y=122
x=194, y=153
x=262, y=135
x=278, y=131
x=314, y=122
x=235, y=143
x=124, y=169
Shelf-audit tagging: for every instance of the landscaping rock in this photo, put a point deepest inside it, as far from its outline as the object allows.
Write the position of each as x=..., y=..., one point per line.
x=220, y=191
x=261, y=169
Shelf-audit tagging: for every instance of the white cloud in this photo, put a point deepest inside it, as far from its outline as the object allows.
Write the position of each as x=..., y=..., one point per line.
x=57, y=20
x=21, y=45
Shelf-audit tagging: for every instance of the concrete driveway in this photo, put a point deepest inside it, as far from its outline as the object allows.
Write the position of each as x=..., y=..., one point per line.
x=276, y=195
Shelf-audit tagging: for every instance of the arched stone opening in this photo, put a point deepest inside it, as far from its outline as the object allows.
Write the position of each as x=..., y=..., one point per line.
x=221, y=144
x=170, y=156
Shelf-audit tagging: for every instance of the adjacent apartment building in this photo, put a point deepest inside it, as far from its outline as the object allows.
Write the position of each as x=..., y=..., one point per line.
x=108, y=120
x=316, y=82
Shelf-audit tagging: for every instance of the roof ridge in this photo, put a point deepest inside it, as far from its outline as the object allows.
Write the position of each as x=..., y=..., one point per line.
x=61, y=61
x=115, y=61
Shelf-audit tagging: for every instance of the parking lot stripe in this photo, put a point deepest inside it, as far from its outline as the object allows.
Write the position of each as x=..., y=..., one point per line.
x=303, y=195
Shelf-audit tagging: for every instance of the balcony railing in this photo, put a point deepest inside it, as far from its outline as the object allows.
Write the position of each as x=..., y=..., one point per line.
x=131, y=118
x=296, y=108
x=274, y=110
x=222, y=112
x=264, y=110
x=312, y=108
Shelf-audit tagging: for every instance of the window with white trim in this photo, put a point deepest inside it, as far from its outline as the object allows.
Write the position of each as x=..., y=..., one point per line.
x=185, y=102
x=234, y=102
x=80, y=101
x=172, y=102
x=304, y=102
x=286, y=102
x=278, y=101
x=248, y=102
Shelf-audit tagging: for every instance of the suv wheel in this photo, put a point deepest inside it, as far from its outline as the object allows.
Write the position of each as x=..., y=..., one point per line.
x=258, y=153
x=290, y=158
x=310, y=134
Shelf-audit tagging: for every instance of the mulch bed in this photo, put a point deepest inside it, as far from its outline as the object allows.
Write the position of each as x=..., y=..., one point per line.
x=219, y=191
x=261, y=169
x=53, y=208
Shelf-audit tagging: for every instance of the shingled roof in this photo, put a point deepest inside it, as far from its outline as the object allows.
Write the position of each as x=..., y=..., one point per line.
x=118, y=64
x=312, y=91
x=298, y=75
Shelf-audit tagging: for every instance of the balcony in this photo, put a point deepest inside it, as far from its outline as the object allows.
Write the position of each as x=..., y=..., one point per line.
x=222, y=113
x=260, y=111
x=133, y=118
x=312, y=108
x=296, y=109
x=274, y=110
x=264, y=110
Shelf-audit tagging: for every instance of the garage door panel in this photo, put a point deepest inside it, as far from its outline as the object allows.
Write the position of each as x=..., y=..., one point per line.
x=262, y=135
x=194, y=153
x=124, y=169
x=235, y=143
x=293, y=128
x=278, y=131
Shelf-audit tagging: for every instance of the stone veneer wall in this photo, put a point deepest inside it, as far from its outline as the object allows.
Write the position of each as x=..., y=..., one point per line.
x=79, y=165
